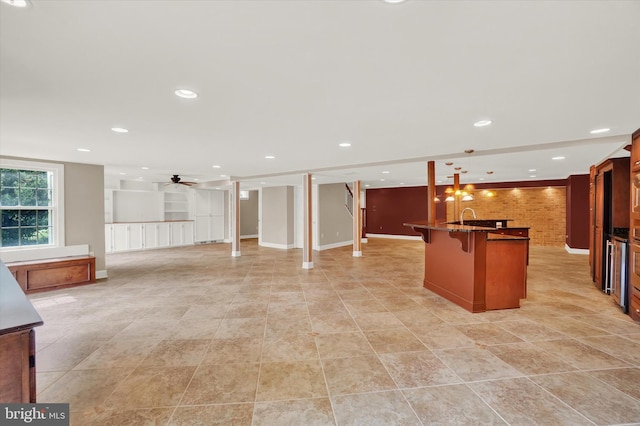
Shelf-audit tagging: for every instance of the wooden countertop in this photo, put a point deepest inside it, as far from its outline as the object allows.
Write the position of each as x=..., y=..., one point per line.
x=16, y=311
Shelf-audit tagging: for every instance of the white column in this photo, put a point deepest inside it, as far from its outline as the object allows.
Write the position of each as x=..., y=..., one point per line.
x=357, y=221
x=235, y=219
x=307, y=247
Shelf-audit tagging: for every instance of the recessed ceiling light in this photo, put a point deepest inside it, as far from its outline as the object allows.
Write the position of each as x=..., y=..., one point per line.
x=313, y=178
x=596, y=131
x=263, y=183
x=144, y=168
x=122, y=173
x=532, y=170
x=482, y=123
x=83, y=150
x=223, y=176
x=439, y=181
x=186, y=94
x=344, y=145
x=17, y=3
x=557, y=158
x=386, y=172
x=381, y=180
x=532, y=175
x=196, y=179
x=394, y=1
x=119, y=130
x=401, y=183
x=481, y=178
x=269, y=157
x=215, y=166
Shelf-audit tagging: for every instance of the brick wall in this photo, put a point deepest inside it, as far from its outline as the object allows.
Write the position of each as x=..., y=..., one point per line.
x=543, y=210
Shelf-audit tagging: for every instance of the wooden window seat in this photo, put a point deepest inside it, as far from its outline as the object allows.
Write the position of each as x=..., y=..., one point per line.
x=54, y=273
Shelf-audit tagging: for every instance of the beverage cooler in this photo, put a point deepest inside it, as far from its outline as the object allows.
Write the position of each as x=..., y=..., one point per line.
x=618, y=270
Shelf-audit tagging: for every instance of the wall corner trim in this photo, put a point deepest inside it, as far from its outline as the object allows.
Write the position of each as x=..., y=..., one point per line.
x=575, y=251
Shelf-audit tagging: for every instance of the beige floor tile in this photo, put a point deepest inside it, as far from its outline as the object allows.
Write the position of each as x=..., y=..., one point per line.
x=356, y=374
x=291, y=380
x=286, y=325
x=441, y=336
x=415, y=369
x=85, y=389
x=377, y=321
x=393, y=340
x=487, y=334
x=333, y=323
x=579, y=355
x=624, y=379
x=65, y=354
x=176, y=353
x=205, y=312
x=341, y=345
x=617, y=346
x=241, y=327
x=377, y=408
x=194, y=329
x=149, y=387
x=235, y=350
x=307, y=412
x=250, y=309
x=46, y=378
x=150, y=416
x=599, y=402
x=417, y=317
x=122, y=353
x=213, y=415
x=529, y=331
x=290, y=347
x=218, y=383
x=472, y=364
x=529, y=359
x=451, y=405
x=518, y=401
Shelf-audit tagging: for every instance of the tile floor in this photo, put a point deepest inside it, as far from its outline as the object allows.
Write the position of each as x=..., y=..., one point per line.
x=193, y=336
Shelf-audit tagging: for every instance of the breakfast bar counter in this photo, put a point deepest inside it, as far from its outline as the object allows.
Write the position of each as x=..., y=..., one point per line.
x=474, y=266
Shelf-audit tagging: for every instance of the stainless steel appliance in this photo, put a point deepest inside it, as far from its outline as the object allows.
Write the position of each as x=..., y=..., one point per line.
x=617, y=273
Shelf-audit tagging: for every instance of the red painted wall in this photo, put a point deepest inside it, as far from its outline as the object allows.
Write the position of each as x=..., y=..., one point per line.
x=389, y=208
x=578, y=211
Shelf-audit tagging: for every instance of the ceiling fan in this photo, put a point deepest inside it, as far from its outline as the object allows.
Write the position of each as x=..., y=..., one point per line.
x=176, y=179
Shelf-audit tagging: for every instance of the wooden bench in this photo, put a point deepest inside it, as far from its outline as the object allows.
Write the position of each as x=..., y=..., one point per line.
x=50, y=274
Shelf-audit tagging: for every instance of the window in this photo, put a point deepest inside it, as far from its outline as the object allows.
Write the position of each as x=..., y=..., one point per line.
x=30, y=211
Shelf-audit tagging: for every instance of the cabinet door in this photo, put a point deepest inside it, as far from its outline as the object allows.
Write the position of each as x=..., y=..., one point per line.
x=120, y=237
x=163, y=234
x=635, y=193
x=176, y=233
x=187, y=233
x=217, y=228
x=135, y=236
x=202, y=228
x=150, y=233
x=108, y=238
x=634, y=280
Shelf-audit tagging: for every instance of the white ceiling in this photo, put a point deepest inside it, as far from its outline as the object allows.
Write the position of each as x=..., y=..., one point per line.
x=403, y=83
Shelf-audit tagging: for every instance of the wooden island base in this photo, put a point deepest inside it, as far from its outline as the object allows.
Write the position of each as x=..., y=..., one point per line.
x=473, y=267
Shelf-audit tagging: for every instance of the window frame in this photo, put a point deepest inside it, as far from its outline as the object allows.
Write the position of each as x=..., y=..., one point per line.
x=57, y=200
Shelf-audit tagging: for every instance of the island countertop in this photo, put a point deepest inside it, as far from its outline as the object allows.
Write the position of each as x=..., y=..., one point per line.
x=16, y=311
x=479, y=268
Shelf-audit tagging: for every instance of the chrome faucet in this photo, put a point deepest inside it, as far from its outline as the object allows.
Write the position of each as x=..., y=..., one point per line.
x=462, y=214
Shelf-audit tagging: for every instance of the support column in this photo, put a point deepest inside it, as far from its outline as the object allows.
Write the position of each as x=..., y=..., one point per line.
x=235, y=219
x=456, y=196
x=357, y=221
x=307, y=247
x=431, y=192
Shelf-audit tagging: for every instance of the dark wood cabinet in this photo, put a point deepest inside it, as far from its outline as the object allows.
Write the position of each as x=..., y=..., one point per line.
x=610, y=192
x=634, y=223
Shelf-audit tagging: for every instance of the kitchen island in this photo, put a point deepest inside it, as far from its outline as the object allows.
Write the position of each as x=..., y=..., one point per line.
x=474, y=266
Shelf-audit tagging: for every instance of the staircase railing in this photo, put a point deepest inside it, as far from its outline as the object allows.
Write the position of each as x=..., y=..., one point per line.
x=348, y=199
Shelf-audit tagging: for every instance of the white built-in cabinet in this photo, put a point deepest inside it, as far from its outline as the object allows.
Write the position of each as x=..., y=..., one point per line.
x=144, y=236
x=209, y=215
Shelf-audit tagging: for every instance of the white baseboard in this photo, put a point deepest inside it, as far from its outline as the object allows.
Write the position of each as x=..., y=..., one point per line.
x=235, y=254
x=365, y=240
x=307, y=265
x=25, y=255
x=395, y=237
x=277, y=246
x=246, y=237
x=334, y=245
x=101, y=274
x=357, y=254
x=575, y=251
